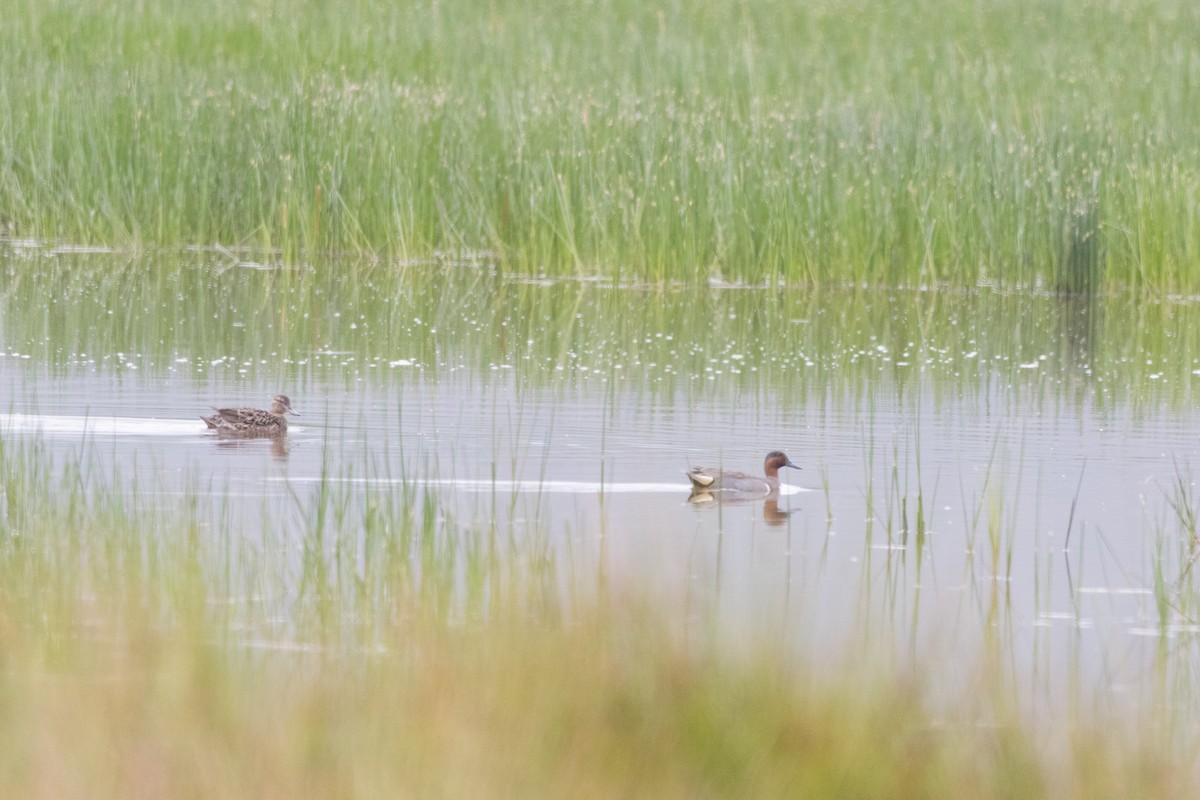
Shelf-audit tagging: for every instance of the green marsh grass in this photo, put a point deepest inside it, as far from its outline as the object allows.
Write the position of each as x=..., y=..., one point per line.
x=1176, y=551
x=137, y=660
x=928, y=142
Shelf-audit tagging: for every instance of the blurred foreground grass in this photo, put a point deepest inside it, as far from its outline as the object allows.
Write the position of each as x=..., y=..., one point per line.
x=145, y=653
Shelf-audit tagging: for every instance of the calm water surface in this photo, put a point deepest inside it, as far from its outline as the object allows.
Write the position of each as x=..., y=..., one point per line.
x=948, y=441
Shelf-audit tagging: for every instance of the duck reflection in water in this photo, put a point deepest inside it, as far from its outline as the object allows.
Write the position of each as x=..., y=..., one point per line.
x=277, y=444
x=772, y=514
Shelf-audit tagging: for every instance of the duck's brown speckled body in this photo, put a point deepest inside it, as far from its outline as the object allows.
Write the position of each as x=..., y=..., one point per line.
x=253, y=421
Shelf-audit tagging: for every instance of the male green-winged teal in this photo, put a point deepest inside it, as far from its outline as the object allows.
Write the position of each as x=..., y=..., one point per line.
x=710, y=479
x=253, y=421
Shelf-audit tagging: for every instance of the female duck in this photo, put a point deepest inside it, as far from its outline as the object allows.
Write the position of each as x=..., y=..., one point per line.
x=709, y=479
x=253, y=421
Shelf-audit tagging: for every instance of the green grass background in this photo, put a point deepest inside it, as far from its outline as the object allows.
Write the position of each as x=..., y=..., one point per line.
x=1023, y=142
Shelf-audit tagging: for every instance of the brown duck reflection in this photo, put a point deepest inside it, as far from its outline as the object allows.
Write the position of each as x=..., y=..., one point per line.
x=772, y=514
x=278, y=444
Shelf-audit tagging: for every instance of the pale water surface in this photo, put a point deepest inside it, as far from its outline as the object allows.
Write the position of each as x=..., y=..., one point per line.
x=568, y=413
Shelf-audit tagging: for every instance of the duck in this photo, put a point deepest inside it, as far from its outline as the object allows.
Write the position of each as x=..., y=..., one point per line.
x=710, y=479
x=253, y=421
